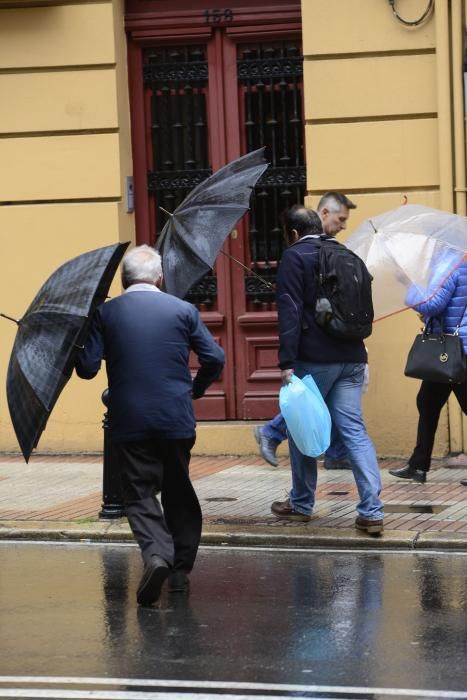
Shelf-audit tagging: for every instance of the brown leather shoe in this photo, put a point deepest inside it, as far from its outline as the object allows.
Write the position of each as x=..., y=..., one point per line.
x=372, y=527
x=284, y=511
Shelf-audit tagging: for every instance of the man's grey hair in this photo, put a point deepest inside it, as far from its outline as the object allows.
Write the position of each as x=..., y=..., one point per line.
x=335, y=201
x=141, y=264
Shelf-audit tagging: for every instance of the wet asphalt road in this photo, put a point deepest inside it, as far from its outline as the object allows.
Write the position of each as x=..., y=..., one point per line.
x=308, y=618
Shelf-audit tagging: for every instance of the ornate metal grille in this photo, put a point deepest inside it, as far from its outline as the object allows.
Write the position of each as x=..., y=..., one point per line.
x=271, y=79
x=176, y=79
x=270, y=85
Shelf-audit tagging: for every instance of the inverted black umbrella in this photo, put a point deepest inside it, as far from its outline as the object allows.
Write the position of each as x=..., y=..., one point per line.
x=195, y=232
x=50, y=334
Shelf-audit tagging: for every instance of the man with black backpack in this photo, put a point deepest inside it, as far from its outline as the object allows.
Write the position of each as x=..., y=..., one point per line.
x=325, y=312
x=333, y=209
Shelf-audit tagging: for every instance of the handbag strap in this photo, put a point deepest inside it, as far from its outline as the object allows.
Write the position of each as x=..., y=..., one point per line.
x=432, y=318
x=460, y=320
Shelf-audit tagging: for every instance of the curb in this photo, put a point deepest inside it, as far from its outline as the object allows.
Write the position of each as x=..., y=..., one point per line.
x=294, y=537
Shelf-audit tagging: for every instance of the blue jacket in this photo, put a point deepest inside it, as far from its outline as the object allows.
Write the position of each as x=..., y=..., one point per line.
x=447, y=303
x=300, y=338
x=145, y=338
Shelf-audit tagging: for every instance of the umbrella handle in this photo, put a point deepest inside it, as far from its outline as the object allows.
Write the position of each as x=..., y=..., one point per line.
x=10, y=318
x=252, y=272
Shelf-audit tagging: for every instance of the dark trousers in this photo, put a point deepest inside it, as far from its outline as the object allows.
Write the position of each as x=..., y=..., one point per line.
x=430, y=400
x=148, y=467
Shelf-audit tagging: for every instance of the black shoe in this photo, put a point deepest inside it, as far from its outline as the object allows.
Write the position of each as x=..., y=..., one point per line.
x=464, y=482
x=409, y=472
x=267, y=447
x=337, y=463
x=284, y=511
x=155, y=573
x=373, y=527
x=178, y=582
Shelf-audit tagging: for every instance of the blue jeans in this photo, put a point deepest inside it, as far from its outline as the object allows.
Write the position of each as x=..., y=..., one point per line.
x=336, y=450
x=341, y=386
x=276, y=430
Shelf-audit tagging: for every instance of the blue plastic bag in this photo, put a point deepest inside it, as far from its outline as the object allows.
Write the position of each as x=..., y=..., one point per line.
x=306, y=415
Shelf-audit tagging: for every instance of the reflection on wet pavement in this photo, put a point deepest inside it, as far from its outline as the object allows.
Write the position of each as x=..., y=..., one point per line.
x=361, y=619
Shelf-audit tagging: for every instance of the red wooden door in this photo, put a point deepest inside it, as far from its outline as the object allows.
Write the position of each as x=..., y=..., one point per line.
x=206, y=87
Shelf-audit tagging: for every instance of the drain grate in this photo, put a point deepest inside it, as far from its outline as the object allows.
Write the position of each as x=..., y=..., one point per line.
x=220, y=499
x=413, y=508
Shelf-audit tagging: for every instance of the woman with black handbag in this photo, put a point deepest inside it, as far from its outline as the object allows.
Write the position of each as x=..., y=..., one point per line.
x=447, y=309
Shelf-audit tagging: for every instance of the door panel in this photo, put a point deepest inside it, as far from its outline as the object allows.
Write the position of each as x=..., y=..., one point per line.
x=177, y=84
x=267, y=80
x=207, y=100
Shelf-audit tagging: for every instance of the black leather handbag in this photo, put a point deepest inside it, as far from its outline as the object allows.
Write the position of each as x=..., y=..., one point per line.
x=438, y=357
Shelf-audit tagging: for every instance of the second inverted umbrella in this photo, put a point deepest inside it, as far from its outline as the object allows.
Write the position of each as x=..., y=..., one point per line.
x=49, y=335
x=195, y=232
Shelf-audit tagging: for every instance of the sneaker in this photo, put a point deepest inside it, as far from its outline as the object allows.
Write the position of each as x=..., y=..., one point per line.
x=464, y=482
x=409, y=472
x=284, y=511
x=267, y=447
x=372, y=527
x=337, y=463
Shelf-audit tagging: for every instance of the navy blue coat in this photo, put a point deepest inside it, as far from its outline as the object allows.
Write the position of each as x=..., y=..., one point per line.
x=300, y=337
x=145, y=338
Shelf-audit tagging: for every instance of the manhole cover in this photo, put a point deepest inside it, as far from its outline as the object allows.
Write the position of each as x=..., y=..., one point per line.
x=413, y=508
x=338, y=493
x=220, y=499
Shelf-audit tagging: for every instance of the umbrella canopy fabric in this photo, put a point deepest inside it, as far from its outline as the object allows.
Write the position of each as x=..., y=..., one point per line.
x=49, y=335
x=410, y=251
x=194, y=234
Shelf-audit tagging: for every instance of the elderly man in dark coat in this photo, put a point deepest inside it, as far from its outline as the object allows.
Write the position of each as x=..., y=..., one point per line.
x=145, y=337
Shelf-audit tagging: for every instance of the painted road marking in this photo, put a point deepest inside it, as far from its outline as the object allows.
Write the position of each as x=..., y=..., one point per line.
x=145, y=689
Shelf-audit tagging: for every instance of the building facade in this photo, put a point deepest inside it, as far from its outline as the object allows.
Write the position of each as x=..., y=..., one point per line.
x=112, y=112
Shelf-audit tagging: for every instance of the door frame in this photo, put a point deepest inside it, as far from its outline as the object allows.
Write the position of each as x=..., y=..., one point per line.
x=159, y=22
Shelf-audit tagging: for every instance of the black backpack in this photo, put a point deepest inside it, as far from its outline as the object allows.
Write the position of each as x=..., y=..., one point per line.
x=344, y=307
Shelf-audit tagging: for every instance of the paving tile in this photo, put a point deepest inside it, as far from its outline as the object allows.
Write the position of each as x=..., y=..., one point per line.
x=68, y=488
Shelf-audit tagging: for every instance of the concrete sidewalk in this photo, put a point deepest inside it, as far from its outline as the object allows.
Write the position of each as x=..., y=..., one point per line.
x=59, y=497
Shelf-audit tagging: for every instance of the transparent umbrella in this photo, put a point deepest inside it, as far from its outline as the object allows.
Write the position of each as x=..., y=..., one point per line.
x=410, y=251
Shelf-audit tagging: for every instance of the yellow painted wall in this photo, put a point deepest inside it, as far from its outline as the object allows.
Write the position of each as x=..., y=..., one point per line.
x=82, y=101
x=372, y=131
x=65, y=153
